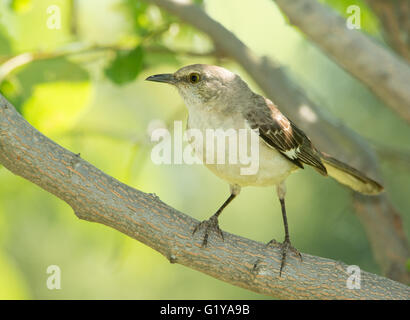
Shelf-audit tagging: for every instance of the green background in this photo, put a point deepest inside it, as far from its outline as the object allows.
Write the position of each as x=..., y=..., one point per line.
x=98, y=104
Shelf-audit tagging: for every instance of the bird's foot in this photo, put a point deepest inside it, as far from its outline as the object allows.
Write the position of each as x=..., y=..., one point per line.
x=285, y=246
x=210, y=225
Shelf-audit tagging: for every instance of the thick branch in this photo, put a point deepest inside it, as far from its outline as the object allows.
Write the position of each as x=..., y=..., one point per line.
x=395, y=19
x=97, y=197
x=380, y=220
x=387, y=75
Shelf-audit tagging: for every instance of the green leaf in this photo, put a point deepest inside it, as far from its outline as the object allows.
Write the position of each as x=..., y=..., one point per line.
x=136, y=13
x=126, y=66
x=23, y=81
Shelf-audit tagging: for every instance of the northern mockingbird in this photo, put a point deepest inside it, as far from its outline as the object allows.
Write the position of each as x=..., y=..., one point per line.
x=217, y=98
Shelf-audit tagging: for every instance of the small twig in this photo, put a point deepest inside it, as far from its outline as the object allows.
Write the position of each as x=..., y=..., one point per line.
x=11, y=63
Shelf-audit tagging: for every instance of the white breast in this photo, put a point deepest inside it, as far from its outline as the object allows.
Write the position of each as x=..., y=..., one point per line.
x=273, y=167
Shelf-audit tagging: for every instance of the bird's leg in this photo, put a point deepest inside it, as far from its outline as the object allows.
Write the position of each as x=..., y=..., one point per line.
x=286, y=244
x=212, y=222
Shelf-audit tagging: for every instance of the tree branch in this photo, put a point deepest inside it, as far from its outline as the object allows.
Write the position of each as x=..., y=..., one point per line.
x=395, y=19
x=378, y=216
x=384, y=73
x=10, y=63
x=97, y=197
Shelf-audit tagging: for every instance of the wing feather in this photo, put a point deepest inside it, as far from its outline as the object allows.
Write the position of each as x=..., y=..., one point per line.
x=282, y=134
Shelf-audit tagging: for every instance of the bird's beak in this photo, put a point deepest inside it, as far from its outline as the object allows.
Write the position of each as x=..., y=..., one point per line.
x=164, y=77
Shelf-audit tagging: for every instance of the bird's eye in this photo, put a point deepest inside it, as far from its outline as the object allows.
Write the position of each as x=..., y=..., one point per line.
x=194, y=77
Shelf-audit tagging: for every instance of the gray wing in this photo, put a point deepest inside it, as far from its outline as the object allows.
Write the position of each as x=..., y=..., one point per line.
x=280, y=133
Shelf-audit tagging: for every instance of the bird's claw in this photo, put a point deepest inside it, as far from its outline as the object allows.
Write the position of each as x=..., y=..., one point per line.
x=209, y=225
x=285, y=246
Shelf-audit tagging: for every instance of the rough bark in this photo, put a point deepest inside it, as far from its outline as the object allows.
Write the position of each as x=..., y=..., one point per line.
x=97, y=197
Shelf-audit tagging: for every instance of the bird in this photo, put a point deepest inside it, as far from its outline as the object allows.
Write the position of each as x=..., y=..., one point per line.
x=217, y=98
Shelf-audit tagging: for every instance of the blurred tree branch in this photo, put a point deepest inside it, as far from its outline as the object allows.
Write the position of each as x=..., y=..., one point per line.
x=380, y=219
x=10, y=63
x=384, y=73
x=394, y=16
x=97, y=197
x=398, y=155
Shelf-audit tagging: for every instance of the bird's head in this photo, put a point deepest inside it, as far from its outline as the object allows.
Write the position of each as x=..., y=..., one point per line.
x=198, y=84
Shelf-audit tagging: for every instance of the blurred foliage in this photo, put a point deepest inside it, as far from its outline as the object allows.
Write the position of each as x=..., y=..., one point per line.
x=20, y=6
x=22, y=84
x=5, y=47
x=56, y=106
x=126, y=66
x=94, y=101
